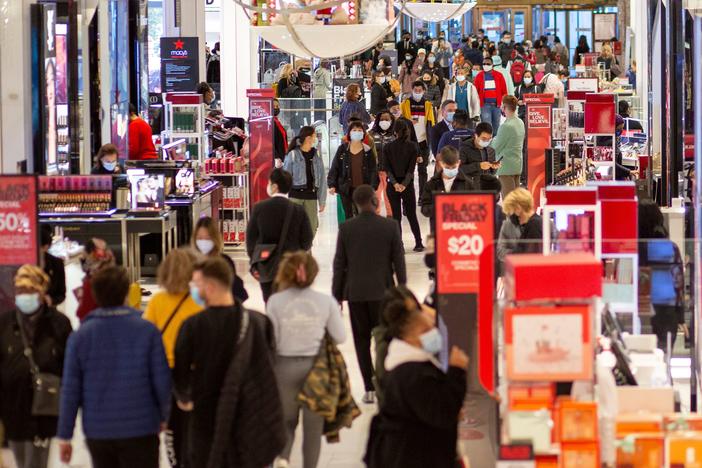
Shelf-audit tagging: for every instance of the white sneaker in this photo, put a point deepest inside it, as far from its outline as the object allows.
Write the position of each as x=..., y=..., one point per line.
x=280, y=463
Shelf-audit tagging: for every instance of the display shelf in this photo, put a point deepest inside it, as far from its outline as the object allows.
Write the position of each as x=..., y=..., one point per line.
x=236, y=205
x=185, y=119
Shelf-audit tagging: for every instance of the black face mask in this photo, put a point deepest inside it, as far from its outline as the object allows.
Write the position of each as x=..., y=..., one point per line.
x=276, y=112
x=515, y=219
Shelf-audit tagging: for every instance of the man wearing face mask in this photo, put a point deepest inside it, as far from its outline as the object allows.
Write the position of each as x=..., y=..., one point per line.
x=46, y=332
x=506, y=47
x=205, y=355
x=443, y=50
x=448, y=110
x=449, y=179
x=466, y=96
x=477, y=157
x=266, y=227
x=405, y=45
x=491, y=88
x=509, y=146
x=280, y=137
x=421, y=112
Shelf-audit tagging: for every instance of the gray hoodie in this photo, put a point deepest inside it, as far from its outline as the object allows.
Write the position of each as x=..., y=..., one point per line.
x=322, y=83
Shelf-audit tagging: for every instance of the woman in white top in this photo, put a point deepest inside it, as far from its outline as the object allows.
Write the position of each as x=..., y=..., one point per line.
x=300, y=317
x=551, y=84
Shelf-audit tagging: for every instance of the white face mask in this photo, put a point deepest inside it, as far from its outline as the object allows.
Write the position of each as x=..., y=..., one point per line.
x=384, y=124
x=28, y=303
x=204, y=245
x=528, y=81
x=461, y=78
x=487, y=68
x=417, y=96
x=484, y=144
x=381, y=79
x=431, y=59
x=396, y=114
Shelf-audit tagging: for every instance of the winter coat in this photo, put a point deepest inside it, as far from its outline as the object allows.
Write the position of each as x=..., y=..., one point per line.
x=471, y=157
x=381, y=139
x=350, y=109
x=49, y=346
x=409, y=73
x=379, y=98
x=249, y=431
x=322, y=83
x=436, y=185
x=339, y=176
x=500, y=86
x=417, y=426
x=327, y=391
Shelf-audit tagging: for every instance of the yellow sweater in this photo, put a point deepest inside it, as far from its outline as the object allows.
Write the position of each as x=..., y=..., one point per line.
x=160, y=309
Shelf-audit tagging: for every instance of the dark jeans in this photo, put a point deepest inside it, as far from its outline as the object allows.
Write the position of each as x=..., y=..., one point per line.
x=405, y=202
x=664, y=321
x=347, y=203
x=424, y=153
x=137, y=452
x=365, y=316
x=176, y=437
x=266, y=290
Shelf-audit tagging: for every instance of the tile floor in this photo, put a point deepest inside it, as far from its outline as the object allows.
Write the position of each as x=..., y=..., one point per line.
x=349, y=451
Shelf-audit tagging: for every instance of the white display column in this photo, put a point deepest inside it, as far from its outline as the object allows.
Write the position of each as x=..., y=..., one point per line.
x=239, y=49
x=186, y=18
x=638, y=22
x=15, y=86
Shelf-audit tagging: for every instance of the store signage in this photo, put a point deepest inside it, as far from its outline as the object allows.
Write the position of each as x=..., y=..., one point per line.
x=588, y=85
x=465, y=233
x=538, y=141
x=180, y=67
x=260, y=142
x=19, y=233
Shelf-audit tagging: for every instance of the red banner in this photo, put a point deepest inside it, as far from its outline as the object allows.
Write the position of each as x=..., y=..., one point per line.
x=260, y=142
x=465, y=233
x=18, y=220
x=538, y=140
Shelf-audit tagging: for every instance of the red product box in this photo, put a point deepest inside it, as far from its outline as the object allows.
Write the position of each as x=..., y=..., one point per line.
x=230, y=165
x=560, y=276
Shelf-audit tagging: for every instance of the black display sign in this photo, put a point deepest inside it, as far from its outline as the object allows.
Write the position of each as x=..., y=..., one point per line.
x=339, y=90
x=180, y=63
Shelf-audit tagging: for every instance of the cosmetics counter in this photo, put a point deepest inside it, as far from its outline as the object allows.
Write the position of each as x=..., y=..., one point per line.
x=141, y=214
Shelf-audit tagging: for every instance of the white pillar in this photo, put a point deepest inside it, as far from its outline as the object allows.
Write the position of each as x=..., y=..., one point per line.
x=239, y=49
x=15, y=86
x=638, y=22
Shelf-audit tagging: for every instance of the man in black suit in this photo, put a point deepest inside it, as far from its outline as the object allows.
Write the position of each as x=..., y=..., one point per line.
x=404, y=46
x=369, y=252
x=268, y=218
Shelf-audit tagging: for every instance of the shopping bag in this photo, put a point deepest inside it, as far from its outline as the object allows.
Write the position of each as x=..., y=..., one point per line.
x=340, y=213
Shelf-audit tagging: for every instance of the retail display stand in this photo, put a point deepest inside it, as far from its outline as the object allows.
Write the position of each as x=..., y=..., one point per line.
x=576, y=215
x=260, y=142
x=185, y=119
x=550, y=337
x=600, y=125
x=538, y=130
x=232, y=172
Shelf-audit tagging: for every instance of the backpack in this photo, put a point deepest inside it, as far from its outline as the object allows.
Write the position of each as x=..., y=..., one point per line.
x=517, y=70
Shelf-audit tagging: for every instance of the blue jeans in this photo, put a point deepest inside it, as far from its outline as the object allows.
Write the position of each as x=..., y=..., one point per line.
x=491, y=114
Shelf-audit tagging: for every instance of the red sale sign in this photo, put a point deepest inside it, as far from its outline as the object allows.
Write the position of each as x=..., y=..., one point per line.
x=18, y=220
x=260, y=142
x=465, y=278
x=538, y=130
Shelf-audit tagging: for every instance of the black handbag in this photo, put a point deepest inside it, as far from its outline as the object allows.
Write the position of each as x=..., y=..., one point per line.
x=264, y=261
x=46, y=387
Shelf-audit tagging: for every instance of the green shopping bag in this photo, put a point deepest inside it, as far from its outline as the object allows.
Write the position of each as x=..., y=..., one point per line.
x=340, y=213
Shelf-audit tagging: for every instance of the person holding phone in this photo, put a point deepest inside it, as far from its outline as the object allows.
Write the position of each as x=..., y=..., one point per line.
x=477, y=157
x=509, y=145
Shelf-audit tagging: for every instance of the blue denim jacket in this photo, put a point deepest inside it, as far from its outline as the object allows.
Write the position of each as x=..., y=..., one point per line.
x=295, y=164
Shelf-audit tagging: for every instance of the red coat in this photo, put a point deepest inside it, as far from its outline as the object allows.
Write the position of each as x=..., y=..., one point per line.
x=500, y=86
x=141, y=146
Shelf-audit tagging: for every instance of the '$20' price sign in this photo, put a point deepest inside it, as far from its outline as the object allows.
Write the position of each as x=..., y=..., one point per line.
x=466, y=245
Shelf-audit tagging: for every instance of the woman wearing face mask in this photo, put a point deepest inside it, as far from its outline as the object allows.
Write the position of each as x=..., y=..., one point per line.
x=433, y=93
x=432, y=67
x=167, y=310
x=354, y=165
x=409, y=72
x=379, y=95
x=31, y=325
x=353, y=106
x=412, y=430
x=527, y=86
x=207, y=240
x=382, y=133
x=106, y=161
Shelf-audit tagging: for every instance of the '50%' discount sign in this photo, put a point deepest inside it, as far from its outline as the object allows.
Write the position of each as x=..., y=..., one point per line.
x=464, y=233
x=18, y=220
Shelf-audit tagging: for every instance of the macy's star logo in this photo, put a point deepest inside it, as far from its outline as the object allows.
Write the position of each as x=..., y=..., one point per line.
x=179, y=44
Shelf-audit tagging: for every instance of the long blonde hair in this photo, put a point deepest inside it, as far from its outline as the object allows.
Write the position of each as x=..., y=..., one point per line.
x=286, y=71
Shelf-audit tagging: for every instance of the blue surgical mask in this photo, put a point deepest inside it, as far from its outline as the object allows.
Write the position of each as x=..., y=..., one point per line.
x=474, y=73
x=27, y=303
x=449, y=116
x=432, y=341
x=417, y=96
x=109, y=166
x=356, y=135
x=195, y=294
x=451, y=173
